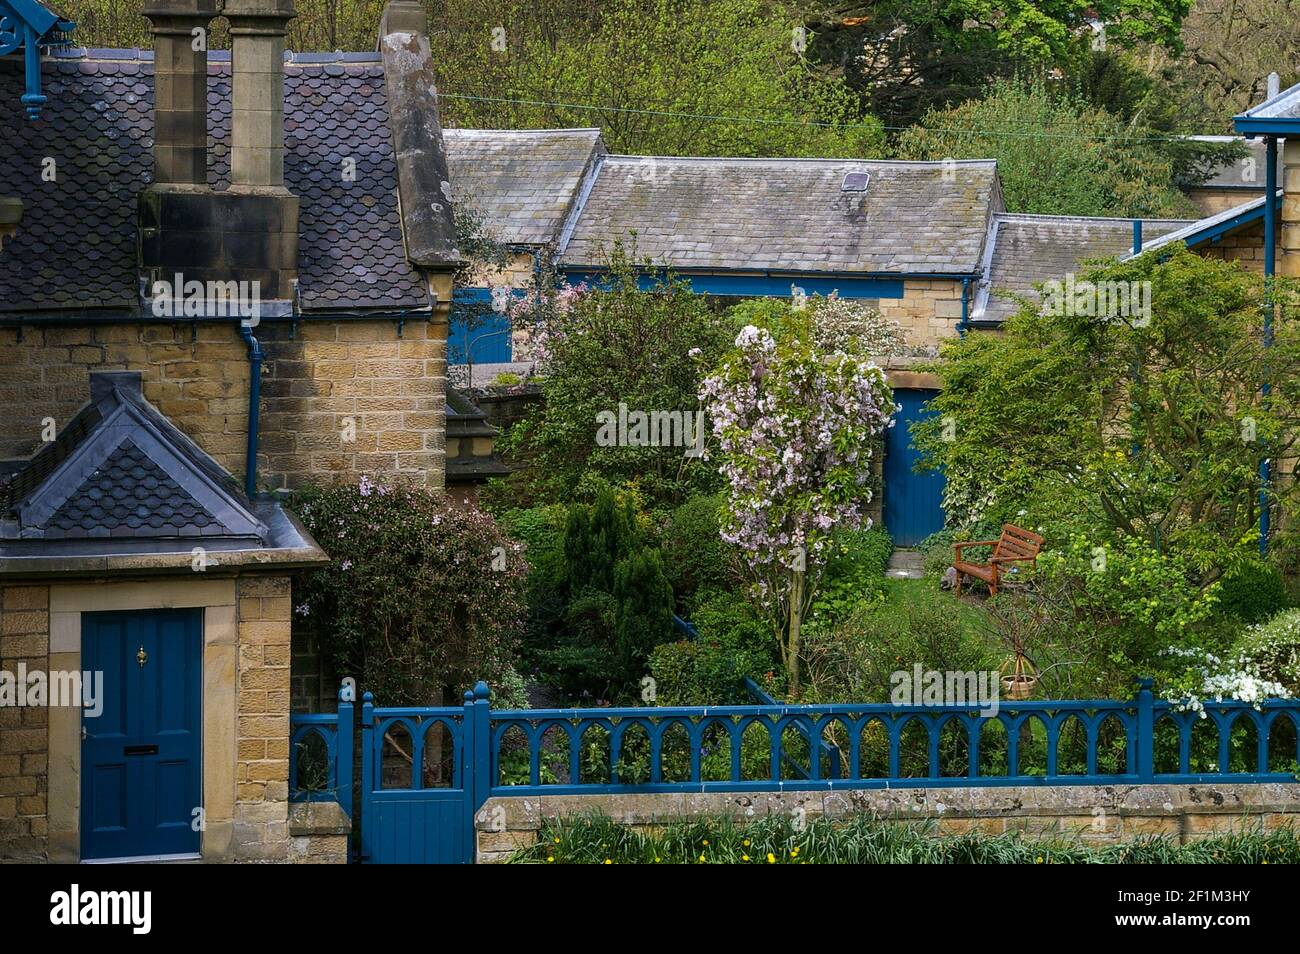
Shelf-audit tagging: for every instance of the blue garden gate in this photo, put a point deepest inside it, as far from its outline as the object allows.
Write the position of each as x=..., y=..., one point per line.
x=913, y=505
x=421, y=777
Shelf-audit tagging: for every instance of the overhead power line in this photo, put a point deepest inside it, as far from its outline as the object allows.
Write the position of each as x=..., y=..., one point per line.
x=823, y=124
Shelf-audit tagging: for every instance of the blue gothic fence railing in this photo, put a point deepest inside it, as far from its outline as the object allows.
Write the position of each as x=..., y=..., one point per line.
x=320, y=756
x=426, y=771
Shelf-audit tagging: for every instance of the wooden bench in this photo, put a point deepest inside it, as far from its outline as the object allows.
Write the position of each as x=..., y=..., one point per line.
x=1016, y=545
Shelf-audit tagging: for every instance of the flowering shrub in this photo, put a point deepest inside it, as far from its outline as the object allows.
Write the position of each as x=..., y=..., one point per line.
x=796, y=428
x=619, y=345
x=841, y=324
x=422, y=597
x=1210, y=677
x=1274, y=648
x=539, y=316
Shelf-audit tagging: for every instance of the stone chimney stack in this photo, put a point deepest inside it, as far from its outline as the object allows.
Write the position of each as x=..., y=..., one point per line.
x=257, y=30
x=180, y=106
x=247, y=233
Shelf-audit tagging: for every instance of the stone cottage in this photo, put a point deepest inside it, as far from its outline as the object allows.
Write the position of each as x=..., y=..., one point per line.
x=221, y=274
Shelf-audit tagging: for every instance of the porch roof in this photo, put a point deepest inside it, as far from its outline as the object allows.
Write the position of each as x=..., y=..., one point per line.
x=1278, y=115
x=121, y=486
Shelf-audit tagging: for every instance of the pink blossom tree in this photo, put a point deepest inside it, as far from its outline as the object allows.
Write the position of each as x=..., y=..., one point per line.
x=796, y=429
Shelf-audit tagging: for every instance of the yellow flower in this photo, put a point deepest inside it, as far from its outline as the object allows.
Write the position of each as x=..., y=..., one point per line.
x=706, y=841
x=557, y=841
x=656, y=861
x=745, y=842
x=746, y=858
x=771, y=858
x=1038, y=860
x=608, y=862
x=550, y=857
x=794, y=852
x=701, y=857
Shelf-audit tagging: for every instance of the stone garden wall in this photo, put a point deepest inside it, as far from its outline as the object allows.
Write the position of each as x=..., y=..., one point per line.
x=1093, y=813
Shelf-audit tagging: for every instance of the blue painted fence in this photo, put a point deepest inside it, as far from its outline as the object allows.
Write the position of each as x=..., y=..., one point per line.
x=334, y=732
x=419, y=818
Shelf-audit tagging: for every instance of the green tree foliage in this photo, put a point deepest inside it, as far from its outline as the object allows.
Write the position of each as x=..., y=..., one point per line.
x=1056, y=155
x=1230, y=47
x=620, y=345
x=695, y=558
x=639, y=62
x=645, y=71
x=711, y=670
x=599, y=597
x=1107, y=427
x=645, y=609
x=907, y=57
x=1118, y=83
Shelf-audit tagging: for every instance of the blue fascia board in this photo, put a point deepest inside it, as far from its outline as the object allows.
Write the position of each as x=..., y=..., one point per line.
x=1253, y=126
x=855, y=285
x=1217, y=231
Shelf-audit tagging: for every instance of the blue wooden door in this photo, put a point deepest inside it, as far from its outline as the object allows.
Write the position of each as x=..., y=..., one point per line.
x=913, y=505
x=141, y=762
x=477, y=333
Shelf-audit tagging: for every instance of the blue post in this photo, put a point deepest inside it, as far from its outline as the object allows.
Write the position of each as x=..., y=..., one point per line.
x=1137, y=236
x=1270, y=262
x=367, y=761
x=964, y=324
x=477, y=764
x=343, y=758
x=1146, y=732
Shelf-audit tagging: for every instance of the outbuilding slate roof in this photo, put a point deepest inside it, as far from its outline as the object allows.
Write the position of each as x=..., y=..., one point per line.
x=75, y=248
x=523, y=182
x=788, y=214
x=1025, y=250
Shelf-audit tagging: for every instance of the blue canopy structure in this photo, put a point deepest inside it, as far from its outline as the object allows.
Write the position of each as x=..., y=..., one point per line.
x=26, y=25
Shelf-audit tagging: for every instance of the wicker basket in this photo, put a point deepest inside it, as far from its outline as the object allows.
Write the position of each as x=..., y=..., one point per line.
x=1019, y=677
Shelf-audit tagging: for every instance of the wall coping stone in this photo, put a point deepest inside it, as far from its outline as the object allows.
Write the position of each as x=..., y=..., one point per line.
x=318, y=818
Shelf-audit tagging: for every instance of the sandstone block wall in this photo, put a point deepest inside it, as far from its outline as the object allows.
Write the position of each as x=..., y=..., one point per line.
x=339, y=398
x=928, y=311
x=24, y=764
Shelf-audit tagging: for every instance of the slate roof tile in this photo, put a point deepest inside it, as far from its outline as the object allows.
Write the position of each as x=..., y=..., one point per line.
x=522, y=181
x=98, y=131
x=788, y=213
x=130, y=492
x=1030, y=249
